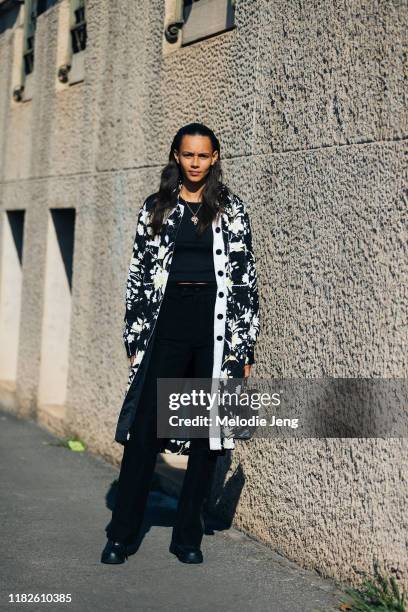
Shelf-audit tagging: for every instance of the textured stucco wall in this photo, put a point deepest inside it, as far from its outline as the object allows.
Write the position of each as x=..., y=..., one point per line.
x=308, y=101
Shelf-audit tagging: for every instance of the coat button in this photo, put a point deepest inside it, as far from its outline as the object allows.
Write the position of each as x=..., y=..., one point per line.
x=218, y=251
x=220, y=273
x=220, y=316
x=218, y=229
x=219, y=337
x=221, y=294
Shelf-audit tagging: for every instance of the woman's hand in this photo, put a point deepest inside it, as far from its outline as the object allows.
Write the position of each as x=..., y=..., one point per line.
x=247, y=371
x=132, y=359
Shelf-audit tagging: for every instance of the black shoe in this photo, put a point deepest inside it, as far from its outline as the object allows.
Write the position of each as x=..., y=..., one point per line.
x=114, y=552
x=186, y=554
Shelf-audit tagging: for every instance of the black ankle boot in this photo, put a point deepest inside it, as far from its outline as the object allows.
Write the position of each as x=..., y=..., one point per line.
x=186, y=554
x=114, y=552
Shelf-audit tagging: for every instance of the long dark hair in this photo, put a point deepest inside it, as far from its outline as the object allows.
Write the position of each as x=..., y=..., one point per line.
x=214, y=191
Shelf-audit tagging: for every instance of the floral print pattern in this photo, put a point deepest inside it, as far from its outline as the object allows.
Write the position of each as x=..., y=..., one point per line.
x=147, y=277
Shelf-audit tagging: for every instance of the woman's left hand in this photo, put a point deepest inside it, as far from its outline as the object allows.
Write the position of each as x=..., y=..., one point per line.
x=247, y=371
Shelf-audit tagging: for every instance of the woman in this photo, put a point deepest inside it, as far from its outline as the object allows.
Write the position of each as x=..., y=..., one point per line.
x=191, y=310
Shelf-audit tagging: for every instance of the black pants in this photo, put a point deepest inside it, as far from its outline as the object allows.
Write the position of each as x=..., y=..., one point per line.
x=184, y=337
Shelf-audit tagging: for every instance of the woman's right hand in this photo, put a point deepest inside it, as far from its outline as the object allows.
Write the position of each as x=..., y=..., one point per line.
x=132, y=359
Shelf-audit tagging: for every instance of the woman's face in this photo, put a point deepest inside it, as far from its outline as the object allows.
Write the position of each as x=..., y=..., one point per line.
x=196, y=156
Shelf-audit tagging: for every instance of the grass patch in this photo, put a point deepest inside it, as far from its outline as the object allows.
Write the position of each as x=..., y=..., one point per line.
x=377, y=593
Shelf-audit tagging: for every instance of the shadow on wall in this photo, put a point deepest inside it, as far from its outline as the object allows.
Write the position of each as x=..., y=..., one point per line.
x=10, y=9
x=225, y=494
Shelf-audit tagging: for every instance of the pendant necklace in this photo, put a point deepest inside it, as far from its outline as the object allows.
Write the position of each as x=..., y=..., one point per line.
x=194, y=217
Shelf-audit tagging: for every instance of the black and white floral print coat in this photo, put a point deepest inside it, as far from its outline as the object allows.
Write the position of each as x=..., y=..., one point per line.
x=236, y=316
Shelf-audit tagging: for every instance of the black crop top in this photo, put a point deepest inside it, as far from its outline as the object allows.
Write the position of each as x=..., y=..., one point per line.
x=193, y=254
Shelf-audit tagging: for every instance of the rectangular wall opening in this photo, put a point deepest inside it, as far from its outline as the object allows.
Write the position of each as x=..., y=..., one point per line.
x=57, y=311
x=10, y=295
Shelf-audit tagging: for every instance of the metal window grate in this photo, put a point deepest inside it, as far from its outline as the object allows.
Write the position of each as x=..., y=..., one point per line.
x=29, y=36
x=29, y=55
x=78, y=27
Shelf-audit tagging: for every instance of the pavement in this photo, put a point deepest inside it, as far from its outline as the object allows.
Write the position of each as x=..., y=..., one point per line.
x=55, y=505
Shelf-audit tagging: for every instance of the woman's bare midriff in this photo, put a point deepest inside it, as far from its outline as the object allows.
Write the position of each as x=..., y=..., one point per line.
x=191, y=283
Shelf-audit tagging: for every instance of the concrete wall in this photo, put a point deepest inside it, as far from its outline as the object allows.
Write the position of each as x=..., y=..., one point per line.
x=308, y=101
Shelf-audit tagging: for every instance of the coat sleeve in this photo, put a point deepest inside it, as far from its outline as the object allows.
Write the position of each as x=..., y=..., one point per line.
x=134, y=285
x=253, y=291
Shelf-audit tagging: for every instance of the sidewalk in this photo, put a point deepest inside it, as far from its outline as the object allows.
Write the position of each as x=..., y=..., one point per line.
x=53, y=516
